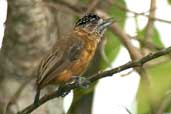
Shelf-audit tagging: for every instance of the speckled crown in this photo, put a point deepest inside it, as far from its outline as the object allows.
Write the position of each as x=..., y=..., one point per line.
x=87, y=19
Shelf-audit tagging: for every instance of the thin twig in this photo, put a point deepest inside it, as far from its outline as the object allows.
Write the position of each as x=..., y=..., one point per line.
x=122, y=8
x=147, y=44
x=149, y=28
x=95, y=77
x=80, y=9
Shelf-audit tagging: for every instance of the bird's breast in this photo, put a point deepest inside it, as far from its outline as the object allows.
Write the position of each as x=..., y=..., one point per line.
x=84, y=59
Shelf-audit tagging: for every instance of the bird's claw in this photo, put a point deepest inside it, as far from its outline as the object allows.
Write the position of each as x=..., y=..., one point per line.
x=82, y=82
x=63, y=93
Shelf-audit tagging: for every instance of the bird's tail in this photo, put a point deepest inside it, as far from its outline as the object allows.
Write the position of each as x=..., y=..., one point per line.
x=36, y=99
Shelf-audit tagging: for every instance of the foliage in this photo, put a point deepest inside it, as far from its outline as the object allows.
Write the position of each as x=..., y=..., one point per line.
x=150, y=100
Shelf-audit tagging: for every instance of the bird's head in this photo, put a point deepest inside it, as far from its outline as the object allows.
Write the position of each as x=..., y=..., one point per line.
x=91, y=23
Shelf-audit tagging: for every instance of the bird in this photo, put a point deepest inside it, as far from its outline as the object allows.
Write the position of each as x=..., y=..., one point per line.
x=71, y=55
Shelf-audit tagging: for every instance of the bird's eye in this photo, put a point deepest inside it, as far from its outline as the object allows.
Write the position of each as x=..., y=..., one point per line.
x=89, y=18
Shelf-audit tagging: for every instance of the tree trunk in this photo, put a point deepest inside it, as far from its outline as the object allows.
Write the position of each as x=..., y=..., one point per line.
x=32, y=28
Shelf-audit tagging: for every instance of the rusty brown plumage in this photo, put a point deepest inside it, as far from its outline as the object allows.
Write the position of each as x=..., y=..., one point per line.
x=70, y=56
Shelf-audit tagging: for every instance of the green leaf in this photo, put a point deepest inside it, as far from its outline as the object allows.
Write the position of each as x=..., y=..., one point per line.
x=111, y=49
x=156, y=38
x=169, y=2
x=160, y=79
x=150, y=97
x=112, y=46
x=117, y=13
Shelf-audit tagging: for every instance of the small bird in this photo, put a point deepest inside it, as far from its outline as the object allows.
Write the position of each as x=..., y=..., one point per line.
x=71, y=55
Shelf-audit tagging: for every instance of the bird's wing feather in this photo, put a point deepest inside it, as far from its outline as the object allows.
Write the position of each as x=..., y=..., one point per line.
x=59, y=60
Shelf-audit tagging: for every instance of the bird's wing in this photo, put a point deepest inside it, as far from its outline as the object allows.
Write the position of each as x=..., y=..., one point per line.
x=59, y=59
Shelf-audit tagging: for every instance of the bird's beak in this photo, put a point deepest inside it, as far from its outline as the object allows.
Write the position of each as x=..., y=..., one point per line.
x=105, y=23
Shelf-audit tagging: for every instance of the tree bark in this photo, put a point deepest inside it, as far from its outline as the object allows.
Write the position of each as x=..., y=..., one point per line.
x=32, y=28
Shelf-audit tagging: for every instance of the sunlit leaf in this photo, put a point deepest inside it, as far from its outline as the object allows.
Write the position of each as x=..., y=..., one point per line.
x=111, y=49
x=150, y=96
x=113, y=45
x=157, y=39
x=118, y=14
x=169, y=1
x=160, y=79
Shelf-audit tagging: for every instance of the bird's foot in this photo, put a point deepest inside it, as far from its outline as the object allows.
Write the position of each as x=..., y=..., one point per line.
x=62, y=91
x=81, y=81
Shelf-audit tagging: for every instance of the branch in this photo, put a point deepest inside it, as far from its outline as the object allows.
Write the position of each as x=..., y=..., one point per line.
x=95, y=77
x=149, y=28
x=78, y=9
x=146, y=44
x=122, y=8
